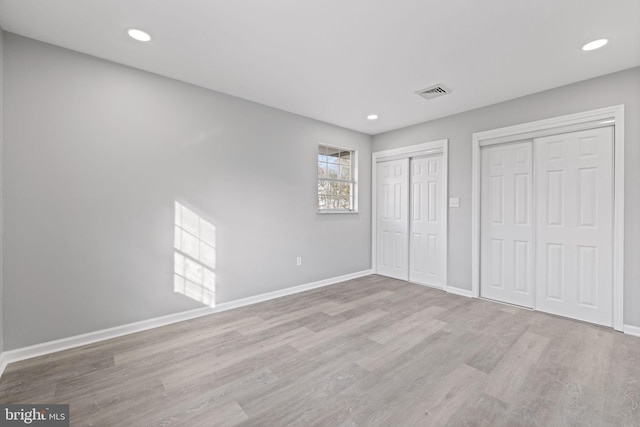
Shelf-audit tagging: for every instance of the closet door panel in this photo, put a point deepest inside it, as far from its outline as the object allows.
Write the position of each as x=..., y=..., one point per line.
x=427, y=244
x=507, y=253
x=392, y=219
x=574, y=197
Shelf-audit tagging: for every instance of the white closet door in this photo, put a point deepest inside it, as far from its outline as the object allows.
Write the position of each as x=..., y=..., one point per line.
x=574, y=196
x=507, y=224
x=427, y=258
x=392, y=219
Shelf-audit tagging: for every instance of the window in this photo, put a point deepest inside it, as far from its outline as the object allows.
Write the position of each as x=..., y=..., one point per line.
x=337, y=187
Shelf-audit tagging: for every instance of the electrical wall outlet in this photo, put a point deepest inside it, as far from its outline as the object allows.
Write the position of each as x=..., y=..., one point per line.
x=299, y=261
x=454, y=202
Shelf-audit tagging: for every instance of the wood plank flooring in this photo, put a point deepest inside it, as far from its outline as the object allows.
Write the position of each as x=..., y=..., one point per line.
x=368, y=352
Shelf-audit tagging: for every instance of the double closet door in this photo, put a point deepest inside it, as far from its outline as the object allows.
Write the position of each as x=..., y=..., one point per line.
x=410, y=220
x=547, y=224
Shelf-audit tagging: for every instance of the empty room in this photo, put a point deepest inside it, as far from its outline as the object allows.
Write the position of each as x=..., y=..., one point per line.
x=319, y=213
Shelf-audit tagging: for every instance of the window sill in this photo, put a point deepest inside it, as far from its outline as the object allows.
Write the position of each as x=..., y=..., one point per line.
x=336, y=212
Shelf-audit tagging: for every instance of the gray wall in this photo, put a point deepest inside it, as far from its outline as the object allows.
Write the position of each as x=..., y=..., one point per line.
x=618, y=88
x=95, y=156
x=1, y=181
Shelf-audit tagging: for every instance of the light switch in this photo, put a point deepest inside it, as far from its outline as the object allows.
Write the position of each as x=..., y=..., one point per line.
x=454, y=202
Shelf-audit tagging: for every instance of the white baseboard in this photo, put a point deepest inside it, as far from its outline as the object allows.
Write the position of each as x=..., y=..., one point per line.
x=16, y=355
x=3, y=362
x=458, y=291
x=631, y=330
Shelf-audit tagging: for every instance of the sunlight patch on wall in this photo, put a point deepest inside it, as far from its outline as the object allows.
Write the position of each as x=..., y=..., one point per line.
x=194, y=256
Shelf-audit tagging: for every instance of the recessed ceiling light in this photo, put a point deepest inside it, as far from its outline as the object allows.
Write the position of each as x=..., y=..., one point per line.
x=139, y=35
x=372, y=117
x=596, y=44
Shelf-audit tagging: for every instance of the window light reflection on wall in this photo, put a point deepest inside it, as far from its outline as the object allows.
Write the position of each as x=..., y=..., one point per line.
x=194, y=256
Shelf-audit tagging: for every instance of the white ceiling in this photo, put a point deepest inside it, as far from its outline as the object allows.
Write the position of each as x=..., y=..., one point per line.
x=340, y=60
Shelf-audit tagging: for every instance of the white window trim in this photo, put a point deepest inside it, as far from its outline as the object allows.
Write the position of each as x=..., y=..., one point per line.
x=354, y=171
x=609, y=116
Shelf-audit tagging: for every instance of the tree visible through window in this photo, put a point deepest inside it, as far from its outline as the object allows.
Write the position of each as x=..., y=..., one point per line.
x=336, y=179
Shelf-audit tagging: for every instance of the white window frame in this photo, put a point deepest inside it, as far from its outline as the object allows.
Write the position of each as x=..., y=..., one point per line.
x=353, y=181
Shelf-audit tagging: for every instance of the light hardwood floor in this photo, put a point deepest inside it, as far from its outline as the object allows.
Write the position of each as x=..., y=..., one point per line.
x=370, y=351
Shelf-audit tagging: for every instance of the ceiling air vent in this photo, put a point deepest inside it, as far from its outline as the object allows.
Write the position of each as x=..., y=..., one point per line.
x=433, y=92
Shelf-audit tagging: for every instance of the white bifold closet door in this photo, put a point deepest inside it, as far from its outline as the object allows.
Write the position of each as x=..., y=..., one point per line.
x=411, y=220
x=547, y=224
x=427, y=258
x=574, y=181
x=507, y=230
x=392, y=219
